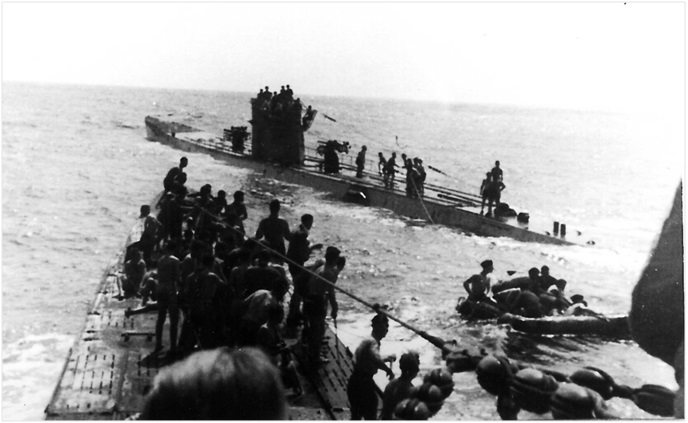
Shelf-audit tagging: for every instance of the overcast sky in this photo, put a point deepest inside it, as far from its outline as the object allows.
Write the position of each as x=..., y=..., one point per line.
x=590, y=55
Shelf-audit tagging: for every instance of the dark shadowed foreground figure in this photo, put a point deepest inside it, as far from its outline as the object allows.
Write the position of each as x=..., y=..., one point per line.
x=657, y=311
x=220, y=384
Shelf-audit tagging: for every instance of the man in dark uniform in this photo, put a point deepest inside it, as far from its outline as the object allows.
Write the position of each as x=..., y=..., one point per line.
x=360, y=162
x=389, y=171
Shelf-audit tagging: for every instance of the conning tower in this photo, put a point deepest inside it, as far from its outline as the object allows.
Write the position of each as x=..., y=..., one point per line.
x=278, y=129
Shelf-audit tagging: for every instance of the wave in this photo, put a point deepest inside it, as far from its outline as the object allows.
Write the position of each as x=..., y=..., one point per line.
x=31, y=366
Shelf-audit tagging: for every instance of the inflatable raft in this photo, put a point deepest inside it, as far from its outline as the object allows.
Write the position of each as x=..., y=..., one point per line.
x=612, y=326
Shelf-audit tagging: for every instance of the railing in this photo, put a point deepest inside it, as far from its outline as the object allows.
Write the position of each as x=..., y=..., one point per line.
x=347, y=162
x=218, y=144
x=445, y=195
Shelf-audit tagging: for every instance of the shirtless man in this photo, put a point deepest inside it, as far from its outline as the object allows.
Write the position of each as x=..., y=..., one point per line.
x=492, y=192
x=254, y=312
x=134, y=270
x=275, y=230
x=299, y=247
x=169, y=280
x=149, y=295
x=173, y=173
x=199, y=292
x=299, y=252
x=236, y=212
x=319, y=293
x=264, y=276
x=478, y=286
x=270, y=340
x=497, y=173
x=381, y=164
x=400, y=389
x=361, y=389
x=149, y=237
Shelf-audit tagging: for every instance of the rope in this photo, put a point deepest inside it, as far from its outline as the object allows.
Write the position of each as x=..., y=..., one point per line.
x=420, y=198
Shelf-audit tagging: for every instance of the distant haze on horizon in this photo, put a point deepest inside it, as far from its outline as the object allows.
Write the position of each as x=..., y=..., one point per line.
x=609, y=56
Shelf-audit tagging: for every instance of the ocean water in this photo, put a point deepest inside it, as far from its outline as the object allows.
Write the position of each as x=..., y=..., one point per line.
x=76, y=167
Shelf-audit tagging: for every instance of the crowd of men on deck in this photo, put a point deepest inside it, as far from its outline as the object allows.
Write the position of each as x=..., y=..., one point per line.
x=415, y=173
x=195, y=264
x=276, y=103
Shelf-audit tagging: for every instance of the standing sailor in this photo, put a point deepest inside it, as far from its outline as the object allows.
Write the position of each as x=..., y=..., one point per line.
x=360, y=162
x=497, y=173
x=320, y=291
x=169, y=281
x=361, y=389
x=389, y=171
x=149, y=236
x=381, y=164
x=401, y=388
x=275, y=230
x=299, y=252
x=173, y=173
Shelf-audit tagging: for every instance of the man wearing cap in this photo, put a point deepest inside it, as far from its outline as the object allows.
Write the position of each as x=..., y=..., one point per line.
x=361, y=389
x=320, y=291
x=478, y=286
x=400, y=389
